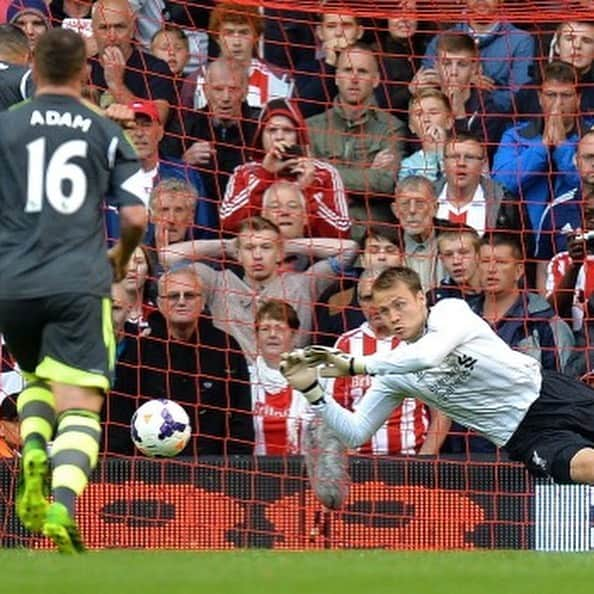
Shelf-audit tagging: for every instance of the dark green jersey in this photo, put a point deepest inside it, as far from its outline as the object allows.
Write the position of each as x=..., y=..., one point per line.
x=15, y=84
x=59, y=159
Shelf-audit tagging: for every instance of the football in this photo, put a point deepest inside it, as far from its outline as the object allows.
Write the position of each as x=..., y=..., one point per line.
x=160, y=427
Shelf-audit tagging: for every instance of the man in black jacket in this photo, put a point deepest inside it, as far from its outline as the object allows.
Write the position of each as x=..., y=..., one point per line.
x=186, y=359
x=217, y=138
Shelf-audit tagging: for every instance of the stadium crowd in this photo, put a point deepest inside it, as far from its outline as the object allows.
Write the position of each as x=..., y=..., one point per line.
x=290, y=158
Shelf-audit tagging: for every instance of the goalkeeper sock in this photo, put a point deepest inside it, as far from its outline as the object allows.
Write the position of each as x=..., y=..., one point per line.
x=74, y=455
x=36, y=406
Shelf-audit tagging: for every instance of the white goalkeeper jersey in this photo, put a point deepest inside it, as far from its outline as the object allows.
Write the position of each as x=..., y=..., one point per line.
x=459, y=366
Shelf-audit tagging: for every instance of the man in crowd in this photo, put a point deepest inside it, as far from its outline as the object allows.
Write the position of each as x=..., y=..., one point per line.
x=415, y=208
x=535, y=160
x=260, y=250
x=363, y=142
x=32, y=17
x=186, y=359
x=315, y=80
x=216, y=138
x=237, y=29
x=282, y=153
x=524, y=320
x=506, y=52
x=121, y=72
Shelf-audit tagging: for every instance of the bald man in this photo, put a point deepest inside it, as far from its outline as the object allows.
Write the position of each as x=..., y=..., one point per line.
x=120, y=71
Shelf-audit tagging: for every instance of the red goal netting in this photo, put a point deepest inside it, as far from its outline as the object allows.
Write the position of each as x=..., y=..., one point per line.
x=238, y=484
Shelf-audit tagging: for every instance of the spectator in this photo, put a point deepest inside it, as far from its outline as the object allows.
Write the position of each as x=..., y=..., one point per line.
x=399, y=51
x=119, y=407
x=190, y=18
x=146, y=134
x=535, y=160
x=10, y=441
x=457, y=73
x=415, y=208
x=31, y=16
x=407, y=431
x=185, y=358
x=430, y=120
x=215, y=139
x=362, y=141
x=139, y=290
x=70, y=10
x=237, y=29
x=121, y=72
x=173, y=207
x=563, y=215
x=279, y=411
x=338, y=309
x=506, y=52
x=171, y=45
x=570, y=273
x=315, y=80
x=468, y=196
x=525, y=321
x=15, y=76
x=572, y=43
x=283, y=203
x=282, y=152
x=259, y=249
x=459, y=252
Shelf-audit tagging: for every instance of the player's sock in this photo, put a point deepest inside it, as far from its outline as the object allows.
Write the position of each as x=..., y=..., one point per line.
x=37, y=414
x=74, y=455
x=36, y=406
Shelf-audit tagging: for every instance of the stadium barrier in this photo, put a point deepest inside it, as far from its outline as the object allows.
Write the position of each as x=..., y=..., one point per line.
x=394, y=503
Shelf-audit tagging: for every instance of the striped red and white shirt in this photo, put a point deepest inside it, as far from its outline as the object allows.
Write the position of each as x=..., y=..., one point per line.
x=278, y=410
x=584, y=283
x=473, y=214
x=406, y=429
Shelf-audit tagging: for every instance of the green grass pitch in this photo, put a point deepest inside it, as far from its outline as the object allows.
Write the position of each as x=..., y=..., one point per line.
x=273, y=572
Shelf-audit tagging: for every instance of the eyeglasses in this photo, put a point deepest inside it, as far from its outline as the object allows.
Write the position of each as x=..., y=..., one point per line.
x=175, y=296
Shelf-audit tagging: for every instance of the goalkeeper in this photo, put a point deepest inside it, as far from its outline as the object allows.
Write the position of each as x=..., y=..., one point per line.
x=450, y=358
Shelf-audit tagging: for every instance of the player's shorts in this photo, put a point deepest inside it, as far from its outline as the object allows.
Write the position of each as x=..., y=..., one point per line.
x=559, y=424
x=65, y=338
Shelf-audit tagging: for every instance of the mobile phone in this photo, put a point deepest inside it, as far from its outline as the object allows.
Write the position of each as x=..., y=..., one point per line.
x=293, y=152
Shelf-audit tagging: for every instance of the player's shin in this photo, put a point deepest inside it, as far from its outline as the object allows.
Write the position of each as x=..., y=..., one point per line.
x=37, y=415
x=74, y=455
x=36, y=407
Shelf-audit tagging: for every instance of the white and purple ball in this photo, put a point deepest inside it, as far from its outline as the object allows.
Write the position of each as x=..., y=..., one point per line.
x=160, y=427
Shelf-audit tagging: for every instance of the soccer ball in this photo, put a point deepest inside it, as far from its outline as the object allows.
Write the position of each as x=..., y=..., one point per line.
x=160, y=427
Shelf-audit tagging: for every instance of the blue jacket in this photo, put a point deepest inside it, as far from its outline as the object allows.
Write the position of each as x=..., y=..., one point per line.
x=531, y=326
x=529, y=169
x=205, y=218
x=507, y=54
x=565, y=212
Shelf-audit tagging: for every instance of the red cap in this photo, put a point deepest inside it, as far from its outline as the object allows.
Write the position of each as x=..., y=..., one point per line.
x=147, y=108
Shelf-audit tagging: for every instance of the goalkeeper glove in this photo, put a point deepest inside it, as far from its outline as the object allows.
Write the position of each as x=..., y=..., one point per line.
x=300, y=376
x=337, y=363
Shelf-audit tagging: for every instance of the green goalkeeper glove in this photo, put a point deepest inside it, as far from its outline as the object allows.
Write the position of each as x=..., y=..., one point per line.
x=336, y=363
x=300, y=376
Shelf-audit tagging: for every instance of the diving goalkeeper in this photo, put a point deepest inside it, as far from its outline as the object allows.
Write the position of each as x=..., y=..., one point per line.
x=450, y=358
